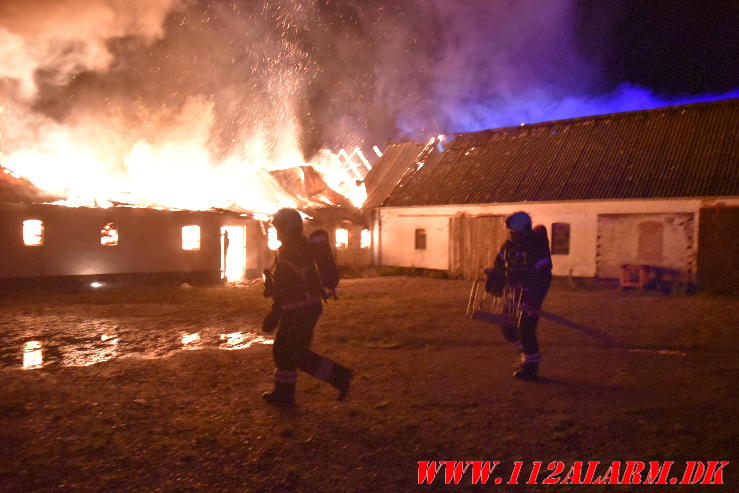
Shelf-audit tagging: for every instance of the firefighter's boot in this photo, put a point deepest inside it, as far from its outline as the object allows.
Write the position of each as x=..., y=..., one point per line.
x=341, y=379
x=529, y=367
x=527, y=371
x=283, y=395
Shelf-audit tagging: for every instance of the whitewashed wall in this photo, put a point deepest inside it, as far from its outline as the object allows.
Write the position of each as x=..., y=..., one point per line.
x=397, y=241
x=394, y=228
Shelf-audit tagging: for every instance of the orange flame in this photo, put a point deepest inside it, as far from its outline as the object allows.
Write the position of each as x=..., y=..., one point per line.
x=97, y=163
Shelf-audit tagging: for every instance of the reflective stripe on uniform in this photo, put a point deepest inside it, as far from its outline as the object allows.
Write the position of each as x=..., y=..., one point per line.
x=530, y=358
x=286, y=376
x=542, y=263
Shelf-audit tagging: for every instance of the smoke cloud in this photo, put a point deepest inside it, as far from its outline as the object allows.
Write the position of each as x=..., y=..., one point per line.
x=269, y=83
x=55, y=39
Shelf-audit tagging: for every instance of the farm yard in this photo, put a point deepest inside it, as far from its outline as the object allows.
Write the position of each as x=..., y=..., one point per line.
x=158, y=388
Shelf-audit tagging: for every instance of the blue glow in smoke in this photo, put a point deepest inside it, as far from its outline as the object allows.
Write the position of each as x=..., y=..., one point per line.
x=536, y=105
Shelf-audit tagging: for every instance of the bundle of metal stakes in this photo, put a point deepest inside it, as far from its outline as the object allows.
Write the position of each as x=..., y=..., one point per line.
x=504, y=310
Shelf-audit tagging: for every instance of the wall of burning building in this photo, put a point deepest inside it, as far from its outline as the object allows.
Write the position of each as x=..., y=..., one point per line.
x=399, y=240
x=43, y=241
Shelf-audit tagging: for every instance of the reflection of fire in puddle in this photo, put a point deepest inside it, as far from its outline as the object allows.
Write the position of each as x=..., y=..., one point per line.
x=88, y=343
x=242, y=340
x=86, y=353
x=32, y=355
x=191, y=341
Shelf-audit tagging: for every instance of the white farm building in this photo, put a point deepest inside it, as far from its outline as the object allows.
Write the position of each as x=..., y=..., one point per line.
x=657, y=187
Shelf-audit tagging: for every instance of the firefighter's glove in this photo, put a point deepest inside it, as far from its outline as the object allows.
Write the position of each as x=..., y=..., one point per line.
x=270, y=322
x=327, y=294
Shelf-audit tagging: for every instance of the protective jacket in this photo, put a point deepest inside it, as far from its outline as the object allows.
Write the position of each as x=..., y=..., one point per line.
x=526, y=263
x=296, y=279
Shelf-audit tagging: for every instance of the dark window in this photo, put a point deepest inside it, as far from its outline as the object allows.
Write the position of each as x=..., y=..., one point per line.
x=560, y=239
x=420, y=239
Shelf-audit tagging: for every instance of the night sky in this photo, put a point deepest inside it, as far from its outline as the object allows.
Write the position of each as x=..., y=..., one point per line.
x=675, y=49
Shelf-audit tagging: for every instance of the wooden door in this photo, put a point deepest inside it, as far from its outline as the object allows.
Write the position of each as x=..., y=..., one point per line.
x=473, y=244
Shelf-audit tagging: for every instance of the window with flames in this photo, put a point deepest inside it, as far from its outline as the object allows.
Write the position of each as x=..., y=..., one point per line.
x=191, y=237
x=342, y=238
x=109, y=235
x=33, y=232
x=365, y=240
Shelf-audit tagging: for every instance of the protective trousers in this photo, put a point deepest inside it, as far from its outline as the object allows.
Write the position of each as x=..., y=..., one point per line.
x=291, y=351
x=533, y=297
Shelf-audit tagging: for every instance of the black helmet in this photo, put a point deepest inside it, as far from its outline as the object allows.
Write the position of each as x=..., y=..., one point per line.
x=518, y=221
x=287, y=219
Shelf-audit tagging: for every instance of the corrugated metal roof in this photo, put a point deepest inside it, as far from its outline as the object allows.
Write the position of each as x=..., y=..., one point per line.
x=17, y=190
x=678, y=151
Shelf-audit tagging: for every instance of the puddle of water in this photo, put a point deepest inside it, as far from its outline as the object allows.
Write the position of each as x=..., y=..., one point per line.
x=86, y=353
x=191, y=341
x=33, y=355
x=242, y=340
x=35, y=343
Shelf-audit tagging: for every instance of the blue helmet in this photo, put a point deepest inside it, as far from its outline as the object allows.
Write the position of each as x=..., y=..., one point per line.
x=518, y=221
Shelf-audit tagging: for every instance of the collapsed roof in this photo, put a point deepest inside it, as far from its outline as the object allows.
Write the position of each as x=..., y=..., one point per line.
x=309, y=189
x=18, y=190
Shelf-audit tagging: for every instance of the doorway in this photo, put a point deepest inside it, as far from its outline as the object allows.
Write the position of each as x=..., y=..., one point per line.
x=233, y=253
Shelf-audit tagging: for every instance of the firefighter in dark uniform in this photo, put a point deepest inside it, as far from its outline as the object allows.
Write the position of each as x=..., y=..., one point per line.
x=524, y=265
x=297, y=292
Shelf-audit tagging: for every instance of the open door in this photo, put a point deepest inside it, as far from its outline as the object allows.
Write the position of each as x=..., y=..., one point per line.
x=233, y=253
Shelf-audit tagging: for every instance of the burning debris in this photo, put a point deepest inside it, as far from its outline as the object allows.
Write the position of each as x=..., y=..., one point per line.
x=89, y=114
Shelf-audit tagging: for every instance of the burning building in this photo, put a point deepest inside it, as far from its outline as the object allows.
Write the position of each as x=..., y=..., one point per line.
x=57, y=238
x=656, y=188
x=46, y=240
x=134, y=126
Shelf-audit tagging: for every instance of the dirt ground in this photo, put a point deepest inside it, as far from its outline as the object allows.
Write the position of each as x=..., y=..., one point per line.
x=120, y=404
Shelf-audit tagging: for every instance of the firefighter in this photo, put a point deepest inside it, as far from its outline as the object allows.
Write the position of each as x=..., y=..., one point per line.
x=523, y=265
x=297, y=293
